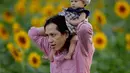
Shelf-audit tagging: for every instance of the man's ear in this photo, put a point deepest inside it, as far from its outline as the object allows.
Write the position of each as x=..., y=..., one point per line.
x=67, y=33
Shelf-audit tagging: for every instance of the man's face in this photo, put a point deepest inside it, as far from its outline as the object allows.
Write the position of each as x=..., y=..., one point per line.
x=55, y=38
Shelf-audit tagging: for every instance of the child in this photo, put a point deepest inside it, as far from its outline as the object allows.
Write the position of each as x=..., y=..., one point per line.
x=74, y=15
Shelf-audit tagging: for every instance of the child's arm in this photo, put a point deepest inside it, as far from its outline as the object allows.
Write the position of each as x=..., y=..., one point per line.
x=77, y=21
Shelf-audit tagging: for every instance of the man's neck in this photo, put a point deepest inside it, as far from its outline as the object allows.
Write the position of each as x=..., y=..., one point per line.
x=60, y=51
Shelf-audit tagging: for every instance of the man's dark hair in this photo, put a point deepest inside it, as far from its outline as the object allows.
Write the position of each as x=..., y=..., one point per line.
x=59, y=21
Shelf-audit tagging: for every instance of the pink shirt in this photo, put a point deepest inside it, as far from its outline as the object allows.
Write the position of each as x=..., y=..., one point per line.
x=82, y=58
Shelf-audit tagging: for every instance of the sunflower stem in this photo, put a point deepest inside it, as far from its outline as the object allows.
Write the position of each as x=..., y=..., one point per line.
x=23, y=64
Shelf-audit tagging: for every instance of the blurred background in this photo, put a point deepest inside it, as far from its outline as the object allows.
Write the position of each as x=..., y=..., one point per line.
x=110, y=20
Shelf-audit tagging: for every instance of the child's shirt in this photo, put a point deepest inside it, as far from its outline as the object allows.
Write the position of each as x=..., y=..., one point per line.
x=73, y=14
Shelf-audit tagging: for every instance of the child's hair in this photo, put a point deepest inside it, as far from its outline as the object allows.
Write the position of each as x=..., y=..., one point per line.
x=86, y=2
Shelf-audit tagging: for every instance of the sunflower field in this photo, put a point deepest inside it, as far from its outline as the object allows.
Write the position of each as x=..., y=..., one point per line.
x=111, y=24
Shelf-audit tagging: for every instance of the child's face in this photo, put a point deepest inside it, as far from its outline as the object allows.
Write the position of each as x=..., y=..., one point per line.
x=76, y=3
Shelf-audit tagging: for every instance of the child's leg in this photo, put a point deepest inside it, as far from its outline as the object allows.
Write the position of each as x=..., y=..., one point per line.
x=72, y=47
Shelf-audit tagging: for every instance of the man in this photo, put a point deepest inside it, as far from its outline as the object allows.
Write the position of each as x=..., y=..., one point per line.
x=55, y=36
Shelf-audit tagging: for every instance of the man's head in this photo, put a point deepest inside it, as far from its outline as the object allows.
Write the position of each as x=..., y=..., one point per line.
x=57, y=32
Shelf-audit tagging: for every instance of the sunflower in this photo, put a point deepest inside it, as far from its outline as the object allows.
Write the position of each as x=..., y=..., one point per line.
x=35, y=22
x=8, y=17
x=35, y=1
x=34, y=60
x=52, y=1
x=17, y=55
x=118, y=29
x=60, y=7
x=99, y=17
x=22, y=0
x=100, y=4
x=22, y=40
x=43, y=20
x=66, y=4
x=34, y=6
x=48, y=10
x=122, y=9
x=20, y=7
x=3, y=32
x=16, y=27
x=100, y=40
x=128, y=41
x=96, y=27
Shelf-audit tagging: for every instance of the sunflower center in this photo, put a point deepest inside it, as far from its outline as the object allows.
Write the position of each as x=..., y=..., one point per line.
x=15, y=53
x=3, y=31
x=22, y=40
x=128, y=42
x=8, y=14
x=49, y=12
x=122, y=9
x=99, y=41
x=99, y=19
x=21, y=9
x=34, y=60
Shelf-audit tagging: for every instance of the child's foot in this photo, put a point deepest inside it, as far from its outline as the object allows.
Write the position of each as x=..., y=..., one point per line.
x=45, y=57
x=68, y=56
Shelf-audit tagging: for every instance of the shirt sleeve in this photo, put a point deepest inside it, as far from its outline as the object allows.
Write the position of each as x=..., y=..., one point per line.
x=85, y=32
x=41, y=41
